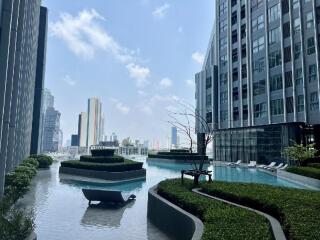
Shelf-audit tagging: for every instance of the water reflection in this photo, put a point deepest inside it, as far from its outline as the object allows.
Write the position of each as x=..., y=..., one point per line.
x=104, y=216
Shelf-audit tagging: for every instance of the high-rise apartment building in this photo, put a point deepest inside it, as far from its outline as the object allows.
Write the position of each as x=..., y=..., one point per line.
x=174, y=137
x=38, y=116
x=94, y=121
x=83, y=129
x=259, y=86
x=19, y=24
x=51, y=133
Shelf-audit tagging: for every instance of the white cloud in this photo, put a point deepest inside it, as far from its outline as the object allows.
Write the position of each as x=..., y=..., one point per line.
x=147, y=110
x=139, y=74
x=161, y=11
x=68, y=80
x=198, y=57
x=190, y=83
x=84, y=36
x=165, y=83
x=120, y=106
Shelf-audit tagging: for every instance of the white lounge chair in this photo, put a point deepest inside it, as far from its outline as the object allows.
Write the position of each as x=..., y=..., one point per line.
x=233, y=164
x=252, y=164
x=270, y=165
x=284, y=167
x=261, y=166
x=279, y=166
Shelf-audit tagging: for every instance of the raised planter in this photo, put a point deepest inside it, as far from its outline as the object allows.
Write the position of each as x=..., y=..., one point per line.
x=171, y=219
x=312, y=182
x=102, y=152
x=110, y=176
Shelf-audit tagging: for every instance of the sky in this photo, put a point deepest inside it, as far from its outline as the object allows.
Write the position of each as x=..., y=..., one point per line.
x=138, y=57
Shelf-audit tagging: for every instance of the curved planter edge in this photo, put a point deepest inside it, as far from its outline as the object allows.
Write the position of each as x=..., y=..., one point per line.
x=171, y=219
x=32, y=236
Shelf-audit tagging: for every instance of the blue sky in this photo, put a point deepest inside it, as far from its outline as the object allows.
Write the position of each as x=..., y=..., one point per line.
x=137, y=56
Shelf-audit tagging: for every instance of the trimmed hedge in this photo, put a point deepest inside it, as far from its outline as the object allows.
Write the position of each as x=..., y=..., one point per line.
x=128, y=165
x=178, y=157
x=311, y=172
x=179, y=151
x=221, y=221
x=315, y=165
x=43, y=160
x=296, y=209
x=111, y=159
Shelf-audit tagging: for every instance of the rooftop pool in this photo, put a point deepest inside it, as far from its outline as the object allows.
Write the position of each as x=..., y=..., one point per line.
x=61, y=211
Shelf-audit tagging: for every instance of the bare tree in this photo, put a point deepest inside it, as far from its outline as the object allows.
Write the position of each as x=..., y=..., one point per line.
x=185, y=121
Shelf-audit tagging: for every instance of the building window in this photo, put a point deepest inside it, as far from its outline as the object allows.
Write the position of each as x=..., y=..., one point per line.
x=258, y=45
x=276, y=107
x=243, y=31
x=298, y=76
x=209, y=117
x=258, y=65
x=223, y=7
x=223, y=25
x=286, y=30
x=295, y=4
x=274, y=13
x=208, y=100
x=275, y=59
x=312, y=72
x=257, y=23
x=274, y=36
x=208, y=82
x=235, y=94
x=311, y=46
x=287, y=54
x=297, y=50
x=296, y=26
x=300, y=103
x=245, y=112
x=260, y=110
x=289, y=104
x=235, y=55
x=223, y=61
x=285, y=7
x=288, y=79
x=243, y=12
x=244, y=71
x=234, y=18
x=235, y=74
x=223, y=116
x=223, y=97
x=276, y=82
x=309, y=19
x=255, y=4
x=244, y=91
x=244, y=50
x=259, y=87
x=235, y=114
x=223, y=43
x=234, y=36
x=314, y=101
x=223, y=78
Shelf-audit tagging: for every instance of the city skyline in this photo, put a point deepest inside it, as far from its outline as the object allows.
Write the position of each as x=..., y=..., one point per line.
x=140, y=81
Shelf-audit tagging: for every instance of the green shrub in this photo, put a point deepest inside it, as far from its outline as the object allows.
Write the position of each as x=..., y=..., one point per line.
x=221, y=221
x=315, y=165
x=31, y=161
x=297, y=210
x=30, y=170
x=311, y=172
x=111, y=159
x=44, y=161
x=128, y=165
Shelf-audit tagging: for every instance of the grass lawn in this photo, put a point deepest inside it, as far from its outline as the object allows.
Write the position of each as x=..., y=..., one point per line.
x=311, y=172
x=221, y=220
x=297, y=210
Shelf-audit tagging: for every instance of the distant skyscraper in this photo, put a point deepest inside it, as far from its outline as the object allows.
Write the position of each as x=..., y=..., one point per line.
x=113, y=137
x=101, y=135
x=83, y=129
x=38, y=116
x=51, y=133
x=19, y=24
x=74, y=140
x=174, y=136
x=48, y=100
x=94, y=121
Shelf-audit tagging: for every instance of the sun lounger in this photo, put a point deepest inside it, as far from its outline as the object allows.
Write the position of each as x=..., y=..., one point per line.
x=284, y=167
x=270, y=165
x=261, y=166
x=252, y=164
x=279, y=166
x=106, y=196
x=234, y=163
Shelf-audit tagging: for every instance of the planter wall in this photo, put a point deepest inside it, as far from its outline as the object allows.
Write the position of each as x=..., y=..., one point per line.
x=171, y=219
x=315, y=183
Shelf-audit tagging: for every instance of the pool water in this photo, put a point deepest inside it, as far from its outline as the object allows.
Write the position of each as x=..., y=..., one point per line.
x=61, y=211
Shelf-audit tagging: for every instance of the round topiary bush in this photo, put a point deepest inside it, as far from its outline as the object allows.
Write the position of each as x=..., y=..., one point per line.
x=44, y=161
x=31, y=161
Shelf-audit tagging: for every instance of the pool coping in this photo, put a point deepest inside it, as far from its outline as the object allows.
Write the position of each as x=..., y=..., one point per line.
x=166, y=216
x=275, y=225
